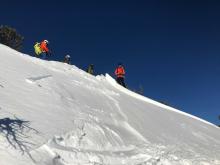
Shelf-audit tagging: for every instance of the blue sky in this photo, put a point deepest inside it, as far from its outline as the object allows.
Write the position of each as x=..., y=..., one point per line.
x=171, y=48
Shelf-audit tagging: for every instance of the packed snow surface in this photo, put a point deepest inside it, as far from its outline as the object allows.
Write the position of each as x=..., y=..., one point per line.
x=53, y=113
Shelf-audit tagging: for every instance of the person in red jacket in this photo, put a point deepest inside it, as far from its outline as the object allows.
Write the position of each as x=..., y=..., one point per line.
x=120, y=74
x=44, y=48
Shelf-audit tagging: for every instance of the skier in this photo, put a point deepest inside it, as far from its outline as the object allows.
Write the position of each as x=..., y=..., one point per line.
x=90, y=69
x=37, y=49
x=67, y=59
x=44, y=48
x=120, y=74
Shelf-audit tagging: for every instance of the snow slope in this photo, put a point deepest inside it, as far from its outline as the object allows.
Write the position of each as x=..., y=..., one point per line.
x=56, y=114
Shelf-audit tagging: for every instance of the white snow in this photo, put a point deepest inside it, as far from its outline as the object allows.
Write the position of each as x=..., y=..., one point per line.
x=53, y=113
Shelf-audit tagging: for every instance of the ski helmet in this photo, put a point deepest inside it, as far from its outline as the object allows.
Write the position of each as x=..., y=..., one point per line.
x=120, y=64
x=46, y=41
x=67, y=56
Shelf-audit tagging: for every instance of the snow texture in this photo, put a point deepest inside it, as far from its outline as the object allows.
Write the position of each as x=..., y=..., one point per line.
x=52, y=113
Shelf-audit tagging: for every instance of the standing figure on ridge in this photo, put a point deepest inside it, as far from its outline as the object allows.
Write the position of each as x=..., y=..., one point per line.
x=90, y=69
x=67, y=59
x=45, y=50
x=120, y=74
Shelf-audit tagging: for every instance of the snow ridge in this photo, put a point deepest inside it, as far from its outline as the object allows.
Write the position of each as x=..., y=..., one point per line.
x=140, y=97
x=85, y=120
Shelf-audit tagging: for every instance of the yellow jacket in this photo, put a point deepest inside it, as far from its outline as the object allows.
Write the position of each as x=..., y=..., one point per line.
x=37, y=48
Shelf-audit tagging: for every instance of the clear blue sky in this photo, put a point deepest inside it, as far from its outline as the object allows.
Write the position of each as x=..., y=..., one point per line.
x=171, y=48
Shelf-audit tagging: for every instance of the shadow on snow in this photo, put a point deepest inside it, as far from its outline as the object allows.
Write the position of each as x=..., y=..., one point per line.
x=15, y=131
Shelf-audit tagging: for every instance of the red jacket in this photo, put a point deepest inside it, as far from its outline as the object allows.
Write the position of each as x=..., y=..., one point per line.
x=120, y=72
x=43, y=46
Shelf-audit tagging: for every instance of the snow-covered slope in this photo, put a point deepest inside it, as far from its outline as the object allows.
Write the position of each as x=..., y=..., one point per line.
x=56, y=114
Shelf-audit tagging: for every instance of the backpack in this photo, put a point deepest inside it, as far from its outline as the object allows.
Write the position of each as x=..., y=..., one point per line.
x=37, y=48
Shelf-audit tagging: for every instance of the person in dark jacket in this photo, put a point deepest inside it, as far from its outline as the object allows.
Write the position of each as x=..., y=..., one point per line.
x=120, y=74
x=67, y=59
x=90, y=69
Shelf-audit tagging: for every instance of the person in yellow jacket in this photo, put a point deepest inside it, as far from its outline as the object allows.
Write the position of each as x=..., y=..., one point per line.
x=37, y=48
